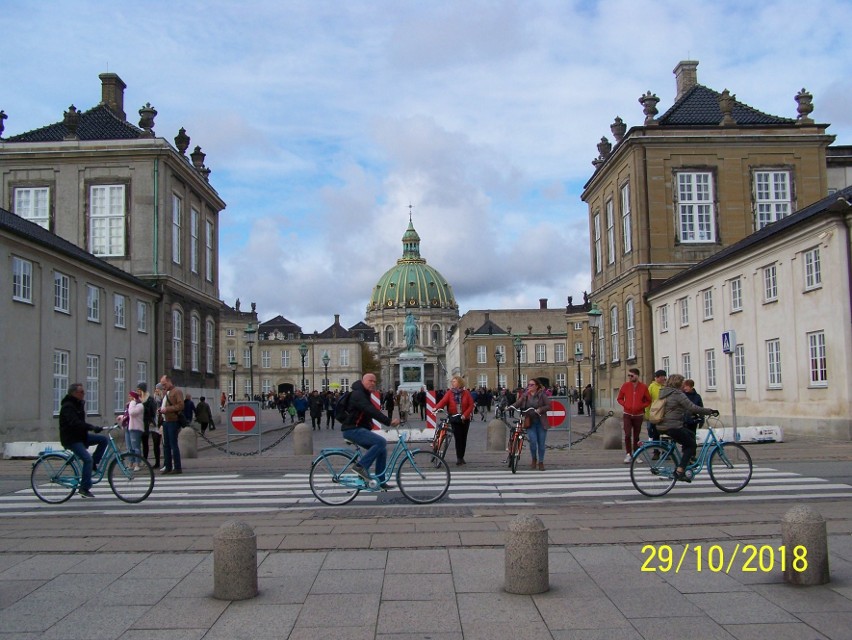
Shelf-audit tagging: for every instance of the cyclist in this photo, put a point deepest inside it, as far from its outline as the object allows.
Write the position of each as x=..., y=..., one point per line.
x=677, y=404
x=357, y=427
x=74, y=435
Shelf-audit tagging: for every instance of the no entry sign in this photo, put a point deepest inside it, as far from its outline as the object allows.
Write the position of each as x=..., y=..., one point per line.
x=243, y=418
x=557, y=413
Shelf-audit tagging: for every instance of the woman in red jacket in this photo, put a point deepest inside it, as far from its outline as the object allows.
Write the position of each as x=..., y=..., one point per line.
x=458, y=400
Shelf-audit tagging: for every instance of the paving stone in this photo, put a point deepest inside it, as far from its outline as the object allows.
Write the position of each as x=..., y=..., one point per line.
x=418, y=586
x=42, y=567
x=418, y=561
x=497, y=607
x=247, y=620
x=673, y=628
x=290, y=563
x=510, y=630
x=560, y=612
x=355, y=560
x=478, y=570
x=95, y=622
x=618, y=633
x=791, y=631
x=801, y=600
x=166, y=565
x=183, y=613
x=339, y=610
x=418, y=616
x=13, y=590
x=739, y=608
x=349, y=581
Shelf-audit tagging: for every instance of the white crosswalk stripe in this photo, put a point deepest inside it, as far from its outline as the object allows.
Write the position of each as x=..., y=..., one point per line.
x=233, y=493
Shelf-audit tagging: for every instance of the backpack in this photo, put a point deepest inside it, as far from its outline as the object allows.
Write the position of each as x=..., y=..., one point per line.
x=150, y=411
x=657, y=411
x=341, y=409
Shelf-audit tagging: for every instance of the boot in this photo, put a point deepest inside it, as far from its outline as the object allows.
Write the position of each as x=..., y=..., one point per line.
x=534, y=464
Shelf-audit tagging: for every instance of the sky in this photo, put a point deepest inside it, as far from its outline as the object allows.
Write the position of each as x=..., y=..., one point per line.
x=323, y=121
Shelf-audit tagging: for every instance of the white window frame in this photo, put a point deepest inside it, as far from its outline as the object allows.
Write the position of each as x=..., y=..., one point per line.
x=265, y=359
x=736, y=285
x=194, y=218
x=61, y=292
x=119, y=384
x=61, y=370
x=630, y=327
x=208, y=250
x=683, y=305
x=107, y=214
x=344, y=385
x=770, y=283
x=195, y=342
x=481, y=354
x=119, y=307
x=664, y=319
x=93, y=303
x=817, y=359
x=773, y=363
x=561, y=380
x=265, y=386
x=772, y=196
x=523, y=359
x=285, y=359
x=33, y=204
x=686, y=365
x=813, y=269
x=482, y=381
x=710, y=368
x=141, y=316
x=177, y=339
x=230, y=332
x=93, y=387
x=343, y=357
x=598, y=247
x=559, y=352
x=739, y=367
x=707, y=303
x=613, y=332
x=22, y=280
x=177, y=223
x=247, y=358
x=540, y=353
x=667, y=365
x=141, y=371
x=626, y=222
x=210, y=336
x=610, y=231
x=696, y=211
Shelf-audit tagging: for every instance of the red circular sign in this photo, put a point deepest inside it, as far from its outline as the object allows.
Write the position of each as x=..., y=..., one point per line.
x=243, y=418
x=557, y=413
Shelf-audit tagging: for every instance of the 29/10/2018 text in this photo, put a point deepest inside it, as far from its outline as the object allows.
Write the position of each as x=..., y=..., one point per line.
x=752, y=558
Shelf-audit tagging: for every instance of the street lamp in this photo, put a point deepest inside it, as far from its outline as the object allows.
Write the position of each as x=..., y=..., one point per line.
x=232, y=365
x=594, y=326
x=250, y=339
x=303, y=351
x=498, y=357
x=578, y=357
x=325, y=361
x=518, y=344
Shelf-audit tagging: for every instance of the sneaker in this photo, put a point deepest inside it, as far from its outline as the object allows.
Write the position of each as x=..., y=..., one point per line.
x=165, y=471
x=386, y=486
x=361, y=471
x=162, y=468
x=177, y=471
x=85, y=494
x=628, y=458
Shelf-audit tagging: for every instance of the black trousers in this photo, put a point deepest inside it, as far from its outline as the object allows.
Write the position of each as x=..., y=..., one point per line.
x=157, y=439
x=460, y=436
x=686, y=439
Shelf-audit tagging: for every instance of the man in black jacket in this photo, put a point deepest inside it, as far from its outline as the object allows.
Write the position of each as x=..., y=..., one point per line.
x=357, y=427
x=74, y=435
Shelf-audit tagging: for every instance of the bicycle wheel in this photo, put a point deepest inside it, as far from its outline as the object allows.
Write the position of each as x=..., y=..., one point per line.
x=515, y=454
x=653, y=478
x=54, y=478
x=132, y=479
x=423, y=478
x=332, y=479
x=730, y=467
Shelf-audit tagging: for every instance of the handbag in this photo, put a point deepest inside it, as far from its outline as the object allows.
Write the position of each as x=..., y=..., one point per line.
x=181, y=420
x=527, y=420
x=456, y=421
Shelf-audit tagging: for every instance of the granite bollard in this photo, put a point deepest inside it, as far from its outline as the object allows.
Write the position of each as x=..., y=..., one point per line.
x=498, y=436
x=804, y=537
x=234, y=562
x=527, y=570
x=613, y=434
x=188, y=443
x=303, y=440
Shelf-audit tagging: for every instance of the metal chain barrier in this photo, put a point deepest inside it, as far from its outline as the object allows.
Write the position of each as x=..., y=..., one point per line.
x=287, y=432
x=568, y=445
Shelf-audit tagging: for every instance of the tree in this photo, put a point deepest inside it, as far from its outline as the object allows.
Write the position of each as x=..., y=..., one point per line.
x=369, y=362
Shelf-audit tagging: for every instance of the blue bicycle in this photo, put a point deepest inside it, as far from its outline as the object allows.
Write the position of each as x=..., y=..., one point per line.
x=422, y=476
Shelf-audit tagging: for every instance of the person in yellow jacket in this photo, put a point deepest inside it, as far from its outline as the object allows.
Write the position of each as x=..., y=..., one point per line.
x=654, y=390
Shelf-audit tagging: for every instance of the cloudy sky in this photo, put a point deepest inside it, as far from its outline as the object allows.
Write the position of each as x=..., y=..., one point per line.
x=323, y=120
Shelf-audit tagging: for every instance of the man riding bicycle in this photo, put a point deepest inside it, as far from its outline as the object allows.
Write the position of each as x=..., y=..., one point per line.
x=357, y=427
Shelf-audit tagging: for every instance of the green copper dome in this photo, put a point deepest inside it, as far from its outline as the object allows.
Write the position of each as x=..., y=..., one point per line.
x=412, y=283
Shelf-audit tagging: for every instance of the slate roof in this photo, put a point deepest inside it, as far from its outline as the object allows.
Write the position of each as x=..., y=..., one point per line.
x=700, y=107
x=336, y=330
x=490, y=327
x=18, y=226
x=98, y=123
x=282, y=324
x=799, y=217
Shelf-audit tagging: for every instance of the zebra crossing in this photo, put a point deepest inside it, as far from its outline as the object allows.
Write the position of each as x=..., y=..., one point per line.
x=235, y=493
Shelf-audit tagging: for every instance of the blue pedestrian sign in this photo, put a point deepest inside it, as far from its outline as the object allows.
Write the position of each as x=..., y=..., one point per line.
x=729, y=341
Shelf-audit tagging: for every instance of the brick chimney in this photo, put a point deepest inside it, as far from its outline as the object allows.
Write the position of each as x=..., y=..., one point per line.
x=686, y=74
x=112, y=93
x=542, y=303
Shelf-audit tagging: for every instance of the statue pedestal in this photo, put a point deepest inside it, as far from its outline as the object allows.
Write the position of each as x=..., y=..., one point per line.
x=412, y=371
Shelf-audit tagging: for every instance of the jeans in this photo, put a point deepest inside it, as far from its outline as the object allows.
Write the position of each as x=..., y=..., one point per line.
x=653, y=433
x=376, y=446
x=171, y=450
x=81, y=450
x=133, y=441
x=537, y=436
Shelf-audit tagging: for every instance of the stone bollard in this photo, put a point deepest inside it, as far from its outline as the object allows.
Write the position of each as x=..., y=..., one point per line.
x=803, y=532
x=234, y=562
x=303, y=440
x=188, y=443
x=613, y=433
x=498, y=435
x=527, y=570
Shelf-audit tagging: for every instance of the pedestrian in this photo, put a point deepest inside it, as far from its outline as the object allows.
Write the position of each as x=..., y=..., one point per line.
x=172, y=405
x=203, y=415
x=403, y=402
x=330, y=407
x=588, y=399
x=222, y=400
x=389, y=403
x=421, y=402
x=458, y=400
x=634, y=399
x=74, y=434
x=536, y=398
x=315, y=407
x=133, y=421
x=188, y=409
x=677, y=405
x=301, y=404
x=152, y=428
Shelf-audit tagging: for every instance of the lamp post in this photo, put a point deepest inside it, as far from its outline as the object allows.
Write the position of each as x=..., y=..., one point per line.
x=594, y=326
x=250, y=339
x=578, y=357
x=303, y=351
x=498, y=357
x=518, y=344
x=325, y=361
x=232, y=365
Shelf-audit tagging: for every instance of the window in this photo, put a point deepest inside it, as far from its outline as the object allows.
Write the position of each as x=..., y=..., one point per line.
x=683, y=304
x=265, y=360
x=177, y=339
x=770, y=284
x=601, y=345
x=598, y=257
x=773, y=362
x=695, y=207
x=247, y=388
x=613, y=321
x=389, y=336
x=195, y=342
x=626, y=224
x=559, y=352
x=119, y=385
x=482, y=380
x=480, y=355
x=501, y=350
x=193, y=239
x=707, y=300
x=561, y=380
x=739, y=367
x=523, y=353
x=210, y=336
x=176, y=225
x=736, y=295
x=813, y=271
x=710, y=368
x=541, y=353
x=667, y=365
x=141, y=316
x=60, y=378
x=33, y=204
x=208, y=250
x=93, y=303
x=436, y=335
x=771, y=196
x=344, y=385
x=610, y=232
x=686, y=365
x=285, y=359
x=119, y=304
x=22, y=280
x=343, y=357
x=61, y=292
x=93, y=401
x=817, y=359
x=247, y=358
x=630, y=327
x=664, y=319
x=141, y=372
x=578, y=326
x=106, y=220
x=265, y=386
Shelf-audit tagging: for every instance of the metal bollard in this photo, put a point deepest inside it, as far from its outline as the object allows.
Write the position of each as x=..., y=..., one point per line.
x=804, y=537
x=303, y=440
x=527, y=569
x=188, y=443
x=234, y=562
x=498, y=436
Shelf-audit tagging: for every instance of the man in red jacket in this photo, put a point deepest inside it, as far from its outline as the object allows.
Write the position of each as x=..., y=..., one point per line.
x=633, y=397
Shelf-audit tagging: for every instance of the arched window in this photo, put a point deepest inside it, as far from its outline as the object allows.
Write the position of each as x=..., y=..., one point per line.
x=436, y=335
x=389, y=336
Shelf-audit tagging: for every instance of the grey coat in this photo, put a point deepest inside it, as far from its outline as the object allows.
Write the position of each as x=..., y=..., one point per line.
x=677, y=404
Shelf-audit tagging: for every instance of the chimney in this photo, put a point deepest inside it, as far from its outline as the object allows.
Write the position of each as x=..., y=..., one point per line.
x=686, y=74
x=336, y=318
x=112, y=93
x=542, y=303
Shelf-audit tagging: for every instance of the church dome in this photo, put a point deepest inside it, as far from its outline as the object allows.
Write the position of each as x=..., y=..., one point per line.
x=412, y=283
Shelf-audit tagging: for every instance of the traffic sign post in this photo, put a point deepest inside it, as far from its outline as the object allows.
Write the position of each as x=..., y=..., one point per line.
x=559, y=415
x=244, y=419
x=729, y=346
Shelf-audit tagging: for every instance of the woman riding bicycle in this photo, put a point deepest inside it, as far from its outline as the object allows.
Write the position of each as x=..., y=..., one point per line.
x=458, y=400
x=536, y=398
x=677, y=404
